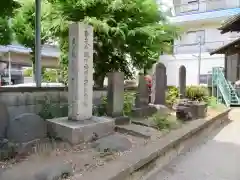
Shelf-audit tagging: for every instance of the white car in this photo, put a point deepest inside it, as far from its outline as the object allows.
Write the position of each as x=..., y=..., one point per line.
x=34, y=85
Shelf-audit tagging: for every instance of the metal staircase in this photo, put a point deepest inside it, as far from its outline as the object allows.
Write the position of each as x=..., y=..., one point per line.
x=225, y=92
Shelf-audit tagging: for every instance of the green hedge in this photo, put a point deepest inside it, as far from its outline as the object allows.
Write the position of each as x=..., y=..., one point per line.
x=196, y=93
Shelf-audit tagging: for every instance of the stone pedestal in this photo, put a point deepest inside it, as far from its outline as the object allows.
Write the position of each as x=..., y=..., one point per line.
x=76, y=132
x=80, y=125
x=190, y=110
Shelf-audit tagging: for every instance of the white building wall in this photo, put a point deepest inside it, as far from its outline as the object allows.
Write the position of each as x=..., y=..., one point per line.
x=211, y=37
x=190, y=6
x=195, y=16
x=173, y=63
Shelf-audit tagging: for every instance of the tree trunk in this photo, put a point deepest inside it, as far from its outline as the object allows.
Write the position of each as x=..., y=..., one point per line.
x=145, y=71
x=98, y=80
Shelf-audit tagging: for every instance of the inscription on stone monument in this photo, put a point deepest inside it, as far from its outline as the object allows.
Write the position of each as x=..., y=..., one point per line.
x=86, y=59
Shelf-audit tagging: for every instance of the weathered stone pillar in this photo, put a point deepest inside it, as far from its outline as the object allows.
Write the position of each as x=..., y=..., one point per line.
x=80, y=71
x=182, y=81
x=115, y=95
x=115, y=98
x=142, y=96
x=159, y=85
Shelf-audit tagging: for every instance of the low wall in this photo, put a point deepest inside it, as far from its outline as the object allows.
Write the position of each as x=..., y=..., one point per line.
x=33, y=99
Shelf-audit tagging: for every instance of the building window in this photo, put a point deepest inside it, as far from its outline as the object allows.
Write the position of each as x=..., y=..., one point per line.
x=193, y=37
x=189, y=5
x=192, y=1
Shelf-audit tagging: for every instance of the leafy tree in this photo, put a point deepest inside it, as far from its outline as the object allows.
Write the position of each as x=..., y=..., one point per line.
x=7, y=8
x=50, y=75
x=27, y=72
x=6, y=11
x=126, y=32
x=23, y=25
x=5, y=31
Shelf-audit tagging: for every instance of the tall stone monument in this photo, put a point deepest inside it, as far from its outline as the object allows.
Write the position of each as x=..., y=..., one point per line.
x=80, y=74
x=115, y=98
x=182, y=81
x=159, y=85
x=142, y=96
x=115, y=95
x=80, y=125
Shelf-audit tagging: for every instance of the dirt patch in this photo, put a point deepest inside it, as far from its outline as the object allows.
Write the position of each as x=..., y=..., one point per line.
x=83, y=158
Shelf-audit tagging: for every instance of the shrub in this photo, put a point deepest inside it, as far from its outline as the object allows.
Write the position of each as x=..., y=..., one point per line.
x=172, y=95
x=197, y=93
x=161, y=122
x=212, y=103
x=164, y=122
x=129, y=97
x=51, y=109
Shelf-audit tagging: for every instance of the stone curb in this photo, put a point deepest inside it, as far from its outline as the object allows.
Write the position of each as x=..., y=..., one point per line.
x=133, y=161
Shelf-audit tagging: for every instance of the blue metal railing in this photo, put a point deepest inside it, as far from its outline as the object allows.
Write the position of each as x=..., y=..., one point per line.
x=225, y=90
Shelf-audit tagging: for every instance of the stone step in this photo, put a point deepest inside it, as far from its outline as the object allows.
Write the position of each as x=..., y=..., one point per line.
x=138, y=130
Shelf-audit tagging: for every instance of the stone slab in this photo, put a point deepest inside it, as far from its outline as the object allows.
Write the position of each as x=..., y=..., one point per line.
x=112, y=143
x=143, y=111
x=77, y=132
x=138, y=130
x=26, y=127
x=143, y=122
x=122, y=120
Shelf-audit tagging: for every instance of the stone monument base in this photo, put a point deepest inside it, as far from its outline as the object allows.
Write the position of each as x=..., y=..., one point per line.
x=121, y=120
x=143, y=111
x=77, y=132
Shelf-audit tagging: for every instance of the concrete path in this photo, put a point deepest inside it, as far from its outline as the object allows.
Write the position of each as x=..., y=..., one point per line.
x=217, y=159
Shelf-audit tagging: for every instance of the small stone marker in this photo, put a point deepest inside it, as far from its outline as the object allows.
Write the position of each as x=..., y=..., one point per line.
x=80, y=71
x=26, y=127
x=142, y=96
x=159, y=85
x=115, y=95
x=182, y=81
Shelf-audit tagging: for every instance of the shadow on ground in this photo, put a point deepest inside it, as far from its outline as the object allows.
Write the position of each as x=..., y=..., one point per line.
x=215, y=156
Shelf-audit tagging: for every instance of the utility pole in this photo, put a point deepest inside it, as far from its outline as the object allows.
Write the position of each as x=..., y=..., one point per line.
x=38, y=74
x=9, y=69
x=199, y=59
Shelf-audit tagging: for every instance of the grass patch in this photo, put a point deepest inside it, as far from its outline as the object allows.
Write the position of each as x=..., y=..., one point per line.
x=213, y=104
x=164, y=122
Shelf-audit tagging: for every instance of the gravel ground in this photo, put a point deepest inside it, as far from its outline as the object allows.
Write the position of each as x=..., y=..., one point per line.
x=83, y=158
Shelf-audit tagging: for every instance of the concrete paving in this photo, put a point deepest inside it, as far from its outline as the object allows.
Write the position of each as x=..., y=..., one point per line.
x=217, y=159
